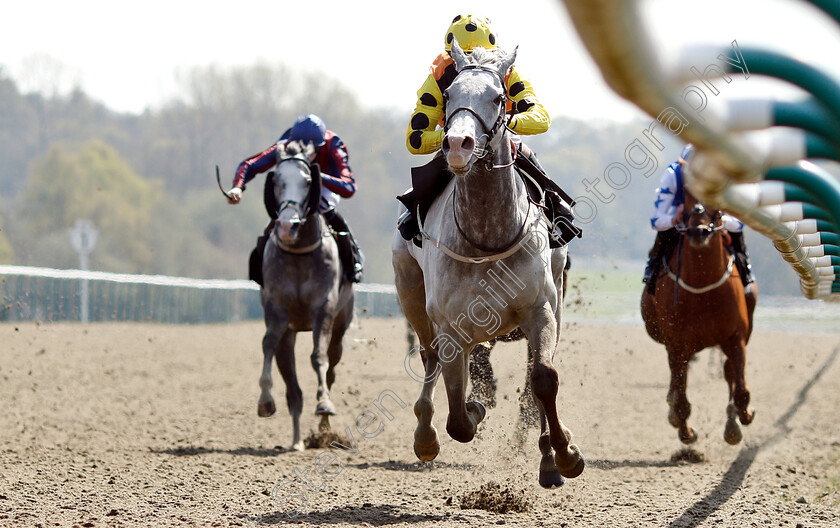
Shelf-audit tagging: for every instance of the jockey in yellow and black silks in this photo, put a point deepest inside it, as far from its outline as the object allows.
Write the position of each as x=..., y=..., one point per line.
x=526, y=115
x=425, y=131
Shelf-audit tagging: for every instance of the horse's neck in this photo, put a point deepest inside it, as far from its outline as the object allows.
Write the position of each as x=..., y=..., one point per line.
x=491, y=204
x=704, y=265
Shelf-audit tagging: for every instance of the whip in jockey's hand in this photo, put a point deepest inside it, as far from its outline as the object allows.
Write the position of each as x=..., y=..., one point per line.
x=234, y=195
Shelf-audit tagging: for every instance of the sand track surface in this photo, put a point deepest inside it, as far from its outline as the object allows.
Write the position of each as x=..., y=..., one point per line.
x=152, y=425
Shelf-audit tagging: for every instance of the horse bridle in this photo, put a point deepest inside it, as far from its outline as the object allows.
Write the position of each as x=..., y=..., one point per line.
x=302, y=211
x=489, y=131
x=715, y=225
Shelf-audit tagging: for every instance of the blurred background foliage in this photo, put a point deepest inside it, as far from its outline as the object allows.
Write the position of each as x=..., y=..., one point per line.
x=146, y=180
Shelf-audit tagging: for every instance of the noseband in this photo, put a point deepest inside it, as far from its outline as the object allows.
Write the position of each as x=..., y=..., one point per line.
x=489, y=131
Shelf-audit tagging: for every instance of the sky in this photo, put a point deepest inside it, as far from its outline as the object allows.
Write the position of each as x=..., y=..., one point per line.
x=129, y=55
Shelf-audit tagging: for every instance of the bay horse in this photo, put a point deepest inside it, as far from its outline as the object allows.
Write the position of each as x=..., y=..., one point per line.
x=698, y=303
x=485, y=268
x=303, y=289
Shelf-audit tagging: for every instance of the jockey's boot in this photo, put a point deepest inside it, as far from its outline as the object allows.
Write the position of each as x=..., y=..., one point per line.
x=408, y=227
x=653, y=260
x=351, y=256
x=742, y=259
x=662, y=248
x=428, y=181
x=256, y=259
x=558, y=205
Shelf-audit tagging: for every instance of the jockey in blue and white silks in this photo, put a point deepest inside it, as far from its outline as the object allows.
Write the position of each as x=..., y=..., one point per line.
x=669, y=198
x=667, y=213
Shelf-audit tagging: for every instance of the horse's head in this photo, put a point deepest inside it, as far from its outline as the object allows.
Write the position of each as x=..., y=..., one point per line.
x=296, y=187
x=699, y=223
x=475, y=106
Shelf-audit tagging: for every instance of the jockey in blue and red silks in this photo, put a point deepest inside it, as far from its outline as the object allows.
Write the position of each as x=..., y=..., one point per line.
x=668, y=212
x=338, y=182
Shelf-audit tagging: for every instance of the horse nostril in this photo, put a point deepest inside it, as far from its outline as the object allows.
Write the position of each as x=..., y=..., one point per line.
x=444, y=146
x=468, y=144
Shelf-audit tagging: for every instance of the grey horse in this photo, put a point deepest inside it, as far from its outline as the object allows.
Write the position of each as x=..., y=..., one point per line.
x=303, y=287
x=485, y=268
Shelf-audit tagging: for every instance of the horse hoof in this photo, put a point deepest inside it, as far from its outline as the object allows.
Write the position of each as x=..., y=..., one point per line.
x=688, y=435
x=746, y=416
x=732, y=433
x=477, y=408
x=298, y=446
x=550, y=476
x=575, y=467
x=551, y=479
x=426, y=452
x=325, y=407
x=266, y=409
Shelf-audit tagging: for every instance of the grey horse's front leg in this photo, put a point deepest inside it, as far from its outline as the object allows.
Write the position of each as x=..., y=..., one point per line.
x=464, y=417
x=294, y=396
x=321, y=335
x=275, y=327
x=541, y=329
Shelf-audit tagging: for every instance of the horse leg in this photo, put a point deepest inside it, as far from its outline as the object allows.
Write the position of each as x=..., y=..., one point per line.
x=265, y=404
x=481, y=374
x=528, y=405
x=426, y=443
x=464, y=417
x=275, y=326
x=739, y=394
x=334, y=353
x=322, y=329
x=732, y=431
x=751, y=294
x=408, y=279
x=679, y=407
x=294, y=396
x=541, y=329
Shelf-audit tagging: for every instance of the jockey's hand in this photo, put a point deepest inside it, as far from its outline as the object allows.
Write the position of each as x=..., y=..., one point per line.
x=234, y=195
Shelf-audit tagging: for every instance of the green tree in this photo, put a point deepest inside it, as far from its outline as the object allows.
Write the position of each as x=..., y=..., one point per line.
x=95, y=184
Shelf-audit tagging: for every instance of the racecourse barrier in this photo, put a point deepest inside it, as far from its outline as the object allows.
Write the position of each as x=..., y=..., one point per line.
x=753, y=158
x=48, y=295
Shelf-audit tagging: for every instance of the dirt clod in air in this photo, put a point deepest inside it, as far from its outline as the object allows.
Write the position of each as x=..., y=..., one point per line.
x=323, y=439
x=492, y=497
x=692, y=456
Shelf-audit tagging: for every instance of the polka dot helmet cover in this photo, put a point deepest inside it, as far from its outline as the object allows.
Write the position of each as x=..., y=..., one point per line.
x=471, y=32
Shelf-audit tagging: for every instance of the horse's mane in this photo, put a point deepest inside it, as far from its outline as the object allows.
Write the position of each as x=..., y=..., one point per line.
x=293, y=148
x=482, y=57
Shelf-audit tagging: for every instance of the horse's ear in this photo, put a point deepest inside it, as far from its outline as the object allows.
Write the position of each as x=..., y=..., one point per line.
x=507, y=63
x=458, y=55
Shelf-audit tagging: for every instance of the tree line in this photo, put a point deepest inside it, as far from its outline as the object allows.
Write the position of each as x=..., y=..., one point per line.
x=147, y=181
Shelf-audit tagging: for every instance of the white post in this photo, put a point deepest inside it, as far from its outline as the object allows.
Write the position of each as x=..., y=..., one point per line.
x=83, y=238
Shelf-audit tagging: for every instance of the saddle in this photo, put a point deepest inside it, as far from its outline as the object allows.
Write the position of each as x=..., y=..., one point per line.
x=429, y=180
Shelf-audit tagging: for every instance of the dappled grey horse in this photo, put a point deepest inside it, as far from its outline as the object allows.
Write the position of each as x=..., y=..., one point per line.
x=303, y=287
x=484, y=268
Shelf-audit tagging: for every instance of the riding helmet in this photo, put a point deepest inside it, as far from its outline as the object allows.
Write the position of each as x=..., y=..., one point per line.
x=686, y=153
x=309, y=128
x=471, y=32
